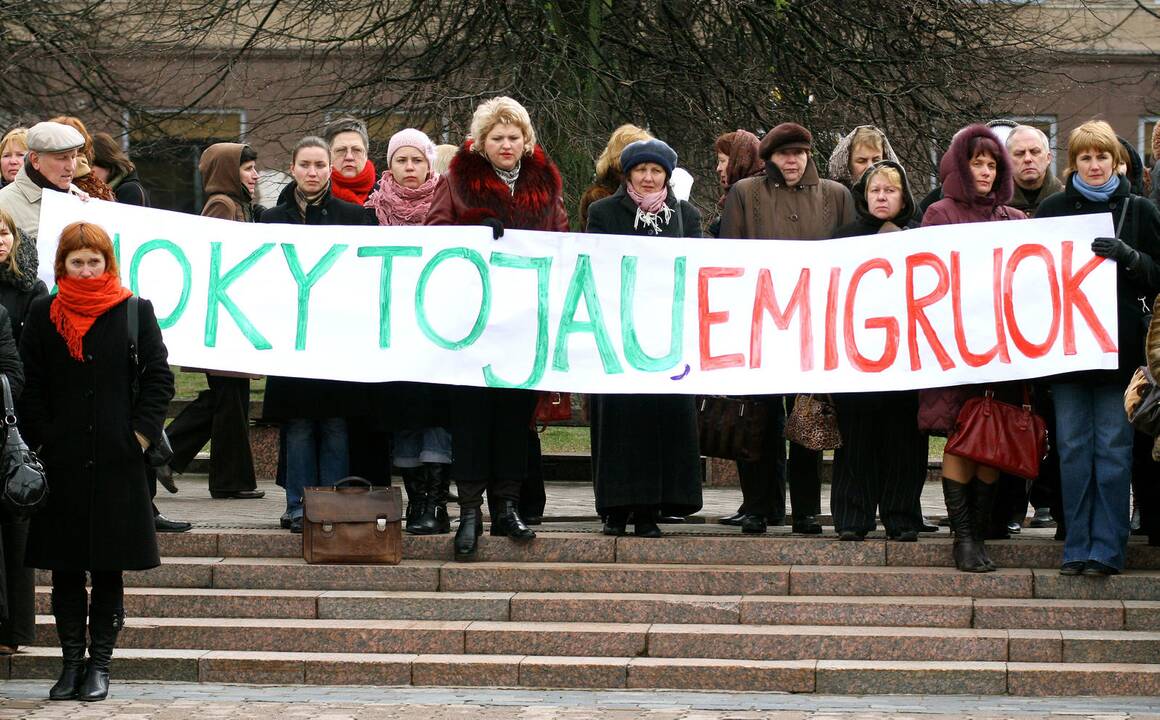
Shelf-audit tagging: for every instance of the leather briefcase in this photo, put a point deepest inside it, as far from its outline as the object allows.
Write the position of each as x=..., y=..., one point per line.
x=352, y=523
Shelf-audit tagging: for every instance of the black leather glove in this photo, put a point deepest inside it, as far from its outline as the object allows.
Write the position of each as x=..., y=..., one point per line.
x=495, y=225
x=1118, y=250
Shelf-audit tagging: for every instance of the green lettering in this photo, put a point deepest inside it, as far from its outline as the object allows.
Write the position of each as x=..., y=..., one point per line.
x=306, y=283
x=632, y=350
x=388, y=253
x=583, y=285
x=542, y=266
x=186, y=276
x=219, y=284
x=484, y=302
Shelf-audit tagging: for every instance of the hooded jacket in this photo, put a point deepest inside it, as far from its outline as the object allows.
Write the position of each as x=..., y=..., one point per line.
x=840, y=158
x=1135, y=167
x=226, y=197
x=765, y=207
x=960, y=203
x=867, y=224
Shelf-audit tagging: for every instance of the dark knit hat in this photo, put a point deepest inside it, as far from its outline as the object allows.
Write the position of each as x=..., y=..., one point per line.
x=787, y=136
x=642, y=151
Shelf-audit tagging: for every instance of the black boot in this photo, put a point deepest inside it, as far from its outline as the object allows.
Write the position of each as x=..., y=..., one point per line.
x=70, y=612
x=509, y=524
x=431, y=517
x=957, y=497
x=412, y=484
x=467, y=537
x=982, y=506
x=105, y=621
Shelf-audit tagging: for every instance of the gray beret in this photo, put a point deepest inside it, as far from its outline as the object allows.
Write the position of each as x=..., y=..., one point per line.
x=51, y=137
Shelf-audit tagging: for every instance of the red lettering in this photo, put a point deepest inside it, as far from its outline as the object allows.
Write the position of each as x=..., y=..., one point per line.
x=889, y=324
x=831, y=361
x=1075, y=298
x=1000, y=346
x=708, y=318
x=765, y=301
x=1028, y=348
x=916, y=315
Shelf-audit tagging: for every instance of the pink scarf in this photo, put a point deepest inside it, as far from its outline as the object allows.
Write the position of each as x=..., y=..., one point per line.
x=651, y=203
x=395, y=204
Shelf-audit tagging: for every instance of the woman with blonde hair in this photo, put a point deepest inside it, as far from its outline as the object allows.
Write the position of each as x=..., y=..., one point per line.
x=500, y=178
x=609, y=176
x=1091, y=430
x=13, y=148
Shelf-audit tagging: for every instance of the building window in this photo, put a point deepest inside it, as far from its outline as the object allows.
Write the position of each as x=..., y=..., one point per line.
x=1049, y=124
x=1147, y=128
x=166, y=148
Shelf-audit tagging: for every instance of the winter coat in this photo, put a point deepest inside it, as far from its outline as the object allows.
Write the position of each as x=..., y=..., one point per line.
x=288, y=398
x=1136, y=287
x=867, y=224
x=744, y=161
x=764, y=207
x=81, y=417
x=21, y=199
x=960, y=203
x=602, y=187
x=839, y=167
x=645, y=446
x=1155, y=196
x=471, y=191
x=18, y=291
x=226, y=197
x=1020, y=200
x=130, y=191
x=90, y=183
x=1135, y=165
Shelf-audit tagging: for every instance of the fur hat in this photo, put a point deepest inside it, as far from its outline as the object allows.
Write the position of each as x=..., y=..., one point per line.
x=787, y=136
x=412, y=138
x=642, y=151
x=53, y=137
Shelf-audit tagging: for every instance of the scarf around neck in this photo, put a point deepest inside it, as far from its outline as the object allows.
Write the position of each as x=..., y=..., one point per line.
x=38, y=178
x=396, y=204
x=355, y=189
x=509, y=177
x=78, y=304
x=303, y=201
x=1096, y=193
x=19, y=270
x=651, y=209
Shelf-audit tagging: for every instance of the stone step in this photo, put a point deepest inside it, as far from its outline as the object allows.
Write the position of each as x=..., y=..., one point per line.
x=701, y=548
x=844, y=677
x=605, y=639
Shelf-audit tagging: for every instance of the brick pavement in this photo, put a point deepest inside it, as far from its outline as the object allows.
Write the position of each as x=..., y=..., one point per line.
x=157, y=701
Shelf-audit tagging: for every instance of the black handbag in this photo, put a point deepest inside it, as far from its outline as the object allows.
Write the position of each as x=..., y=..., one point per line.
x=731, y=427
x=160, y=452
x=25, y=485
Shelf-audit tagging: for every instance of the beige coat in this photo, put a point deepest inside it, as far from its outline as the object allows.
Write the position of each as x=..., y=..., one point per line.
x=764, y=207
x=21, y=199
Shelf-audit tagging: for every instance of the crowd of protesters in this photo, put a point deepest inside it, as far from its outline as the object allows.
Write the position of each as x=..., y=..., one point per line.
x=91, y=415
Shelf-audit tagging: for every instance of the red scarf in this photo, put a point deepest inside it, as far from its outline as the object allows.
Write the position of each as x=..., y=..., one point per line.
x=353, y=189
x=78, y=304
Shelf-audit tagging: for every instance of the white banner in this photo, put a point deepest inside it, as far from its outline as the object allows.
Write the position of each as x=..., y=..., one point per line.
x=614, y=314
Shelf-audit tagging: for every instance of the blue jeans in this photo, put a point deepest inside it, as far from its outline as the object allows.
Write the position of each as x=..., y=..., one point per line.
x=415, y=447
x=316, y=456
x=1095, y=463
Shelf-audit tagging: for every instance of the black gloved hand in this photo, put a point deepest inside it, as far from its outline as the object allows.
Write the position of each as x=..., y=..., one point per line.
x=495, y=225
x=1118, y=250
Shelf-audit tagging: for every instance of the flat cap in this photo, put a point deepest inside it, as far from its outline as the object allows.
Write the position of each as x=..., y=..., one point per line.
x=51, y=137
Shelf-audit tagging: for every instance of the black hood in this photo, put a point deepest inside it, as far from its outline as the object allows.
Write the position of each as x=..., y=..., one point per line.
x=859, y=191
x=1135, y=167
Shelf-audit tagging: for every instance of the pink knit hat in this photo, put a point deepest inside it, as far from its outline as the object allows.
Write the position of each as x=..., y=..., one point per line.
x=412, y=138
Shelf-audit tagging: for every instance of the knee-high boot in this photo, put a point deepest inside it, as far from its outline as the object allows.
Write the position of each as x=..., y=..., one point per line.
x=413, y=486
x=957, y=497
x=70, y=608
x=982, y=507
x=106, y=618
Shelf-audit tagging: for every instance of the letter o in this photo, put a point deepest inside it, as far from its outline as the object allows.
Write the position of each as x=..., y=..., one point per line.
x=484, y=304
x=186, y=276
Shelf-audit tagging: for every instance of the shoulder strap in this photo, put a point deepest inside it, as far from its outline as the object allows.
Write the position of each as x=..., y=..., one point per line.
x=680, y=219
x=1123, y=214
x=9, y=406
x=134, y=325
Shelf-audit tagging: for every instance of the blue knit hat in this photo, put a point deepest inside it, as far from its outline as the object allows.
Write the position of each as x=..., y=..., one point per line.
x=642, y=151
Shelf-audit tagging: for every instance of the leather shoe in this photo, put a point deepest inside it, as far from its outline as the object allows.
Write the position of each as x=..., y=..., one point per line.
x=239, y=495
x=754, y=524
x=615, y=525
x=467, y=536
x=646, y=528
x=927, y=526
x=1041, y=519
x=734, y=519
x=284, y=521
x=808, y=525
x=851, y=536
x=164, y=524
x=296, y=525
x=508, y=523
x=907, y=536
x=1014, y=528
x=1074, y=567
x=165, y=477
x=1095, y=568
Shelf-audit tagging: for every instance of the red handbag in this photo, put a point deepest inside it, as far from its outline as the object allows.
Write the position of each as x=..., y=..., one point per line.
x=553, y=407
x=1000, y=435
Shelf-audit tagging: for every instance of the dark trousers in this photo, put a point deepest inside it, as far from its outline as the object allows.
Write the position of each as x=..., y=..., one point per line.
x=881, y=464
x=370, y=451
x=220, y=415
x=489, y=437
x=1146, y=487
x=533, y=498
x=763, y=482
x=19, y=582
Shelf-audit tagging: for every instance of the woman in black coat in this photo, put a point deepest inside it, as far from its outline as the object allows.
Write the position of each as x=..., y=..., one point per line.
x=312, y=412
x=81, y=414
x=645, y=453
x=19, y=286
